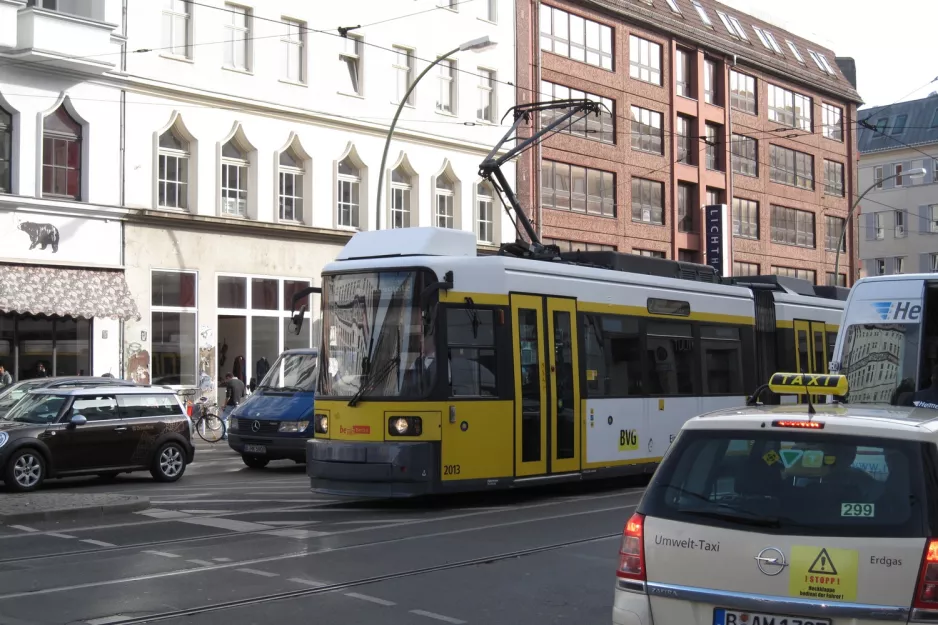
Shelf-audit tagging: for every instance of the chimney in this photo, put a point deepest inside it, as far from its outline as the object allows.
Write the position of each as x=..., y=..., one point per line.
x=849, y=67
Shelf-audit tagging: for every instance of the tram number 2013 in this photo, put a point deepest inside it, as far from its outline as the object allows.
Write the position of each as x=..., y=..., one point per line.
x=451, y=469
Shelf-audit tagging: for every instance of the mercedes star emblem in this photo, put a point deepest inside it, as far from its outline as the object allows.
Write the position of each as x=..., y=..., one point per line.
x=256, y=426
x=771, y=561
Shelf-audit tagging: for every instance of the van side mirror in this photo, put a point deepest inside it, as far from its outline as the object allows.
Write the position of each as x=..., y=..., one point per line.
x=78, y=419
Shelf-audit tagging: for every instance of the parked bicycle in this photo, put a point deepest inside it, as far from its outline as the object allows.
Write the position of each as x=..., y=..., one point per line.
x=204, y=413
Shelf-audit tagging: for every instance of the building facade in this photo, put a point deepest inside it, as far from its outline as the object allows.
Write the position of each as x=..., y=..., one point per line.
x=213, y=157
x=899, y=220
x=705, y=106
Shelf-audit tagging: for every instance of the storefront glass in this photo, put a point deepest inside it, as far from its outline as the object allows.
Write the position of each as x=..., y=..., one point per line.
x=41, y=346
x=173, y=326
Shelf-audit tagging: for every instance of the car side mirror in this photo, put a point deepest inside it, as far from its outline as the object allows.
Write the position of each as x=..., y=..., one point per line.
x=78, y=419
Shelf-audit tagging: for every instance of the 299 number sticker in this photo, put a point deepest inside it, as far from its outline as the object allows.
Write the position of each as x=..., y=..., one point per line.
x=864, y=510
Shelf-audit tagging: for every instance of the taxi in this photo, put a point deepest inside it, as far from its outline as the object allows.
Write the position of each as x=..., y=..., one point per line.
x=791, y=514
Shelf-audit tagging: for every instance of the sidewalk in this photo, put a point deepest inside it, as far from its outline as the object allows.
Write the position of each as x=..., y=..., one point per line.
x=41, y=506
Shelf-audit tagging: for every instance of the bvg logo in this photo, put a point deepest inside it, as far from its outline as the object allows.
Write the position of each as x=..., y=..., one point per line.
x=355, y=429
x=628, y=440
x=898, y=311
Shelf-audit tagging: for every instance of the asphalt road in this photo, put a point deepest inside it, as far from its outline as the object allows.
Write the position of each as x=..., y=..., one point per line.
x=232, y=546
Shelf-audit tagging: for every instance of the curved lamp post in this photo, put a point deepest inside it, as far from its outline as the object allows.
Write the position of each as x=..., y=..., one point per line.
x=476, y=45
x=914, y=174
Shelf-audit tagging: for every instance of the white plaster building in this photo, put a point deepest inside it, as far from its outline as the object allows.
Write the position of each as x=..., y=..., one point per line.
x=235, y=147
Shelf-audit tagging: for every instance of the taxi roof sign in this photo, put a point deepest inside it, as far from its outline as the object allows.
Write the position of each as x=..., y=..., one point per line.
x=808, y=383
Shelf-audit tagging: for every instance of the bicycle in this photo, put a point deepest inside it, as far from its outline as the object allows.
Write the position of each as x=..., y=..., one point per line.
x=209, y=426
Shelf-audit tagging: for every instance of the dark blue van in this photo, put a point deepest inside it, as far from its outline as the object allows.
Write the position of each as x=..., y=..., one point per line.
x=276, y=420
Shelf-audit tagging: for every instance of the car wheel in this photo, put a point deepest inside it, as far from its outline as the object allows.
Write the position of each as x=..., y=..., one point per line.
x=25, y=471
x=255, y=462
x=169, y=463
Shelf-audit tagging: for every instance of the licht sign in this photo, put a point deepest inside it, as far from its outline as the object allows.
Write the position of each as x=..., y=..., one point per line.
x=717, y=238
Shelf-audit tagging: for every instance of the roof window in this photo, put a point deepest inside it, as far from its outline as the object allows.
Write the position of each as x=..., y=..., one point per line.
x=702, y=12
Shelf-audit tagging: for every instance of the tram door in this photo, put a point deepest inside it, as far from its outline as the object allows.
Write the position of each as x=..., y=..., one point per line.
x=811, y=351
x=547, y=387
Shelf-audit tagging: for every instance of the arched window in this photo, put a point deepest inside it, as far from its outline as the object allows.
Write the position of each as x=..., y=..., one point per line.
x=6, y=152
x=401, y=187
x=61, y=155
x=445, y=194
x=485, y=199
x=234, y=179
x=174, y=170
x=348, y=193
x=291, y=185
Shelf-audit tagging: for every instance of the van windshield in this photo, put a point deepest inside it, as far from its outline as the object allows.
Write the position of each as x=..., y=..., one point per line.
x=791, y=482
x=291, y=372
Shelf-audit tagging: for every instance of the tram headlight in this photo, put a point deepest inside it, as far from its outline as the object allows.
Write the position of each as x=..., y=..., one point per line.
x=321, y=422
x=405, y=426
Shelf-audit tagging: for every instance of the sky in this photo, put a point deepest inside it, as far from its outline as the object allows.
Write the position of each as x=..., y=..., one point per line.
x=892, y=43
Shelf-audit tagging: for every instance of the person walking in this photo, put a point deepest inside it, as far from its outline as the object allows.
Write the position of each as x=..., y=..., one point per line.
x=5, y=378
x=234, y=395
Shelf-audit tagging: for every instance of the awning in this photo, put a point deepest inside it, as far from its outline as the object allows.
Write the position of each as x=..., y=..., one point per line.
x=66, y=292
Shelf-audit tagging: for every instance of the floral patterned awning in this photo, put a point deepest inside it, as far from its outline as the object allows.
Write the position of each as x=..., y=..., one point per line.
x=66, y=292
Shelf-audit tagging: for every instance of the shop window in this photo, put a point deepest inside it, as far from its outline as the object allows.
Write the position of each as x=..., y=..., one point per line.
x=471, y=352
x=173, y=312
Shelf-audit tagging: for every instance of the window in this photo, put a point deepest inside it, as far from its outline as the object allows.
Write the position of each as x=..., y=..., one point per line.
x=879, y=266
x=900, y=224
x=674, y=7
x=61, y=155
x=898, y=175
x=841, y=281
x=899, y=126
x=671, y=358
x=445, y=197
x=644, y=60
x=685, y=152
x=702, y=13
x=745, y=152
x=714, y=196
x=685, y=207
x=575, y=37
x=791, y=168
x=568, y=187
x=729, y=26
x=613, y=353
x=400, y=198
x=647, y=201
x=350, y=58
x=881, y=124
x=294, y=49
x=792, y=227
x=935, y=170
x=899, y=264
x=688, y=256
x=832, y=118
x=791, y=272
x=878, y=177
x=649, y=253
x=835, y=230
x=821, y=61
x=404, y=74
x=446, y=100
x=646, y=131
x=348, y=193
x=934, y=262
x=789, y=108
x=714, y=146
x=485, y=199
x=761, y=34
x=933, y=221
x=722, y=371
x=486, y=108
x=173, y=310
x=683, y=73
x=173, y=175
x=470, y=338
x=291, y=186
x=833, y=178
x=710, y=82
x=794, y=50
x=234, y=180
x=739, y=28
x=773, y=43
x=176, y=28
x=601, y=128
x=237, y=22
x=490, y=10
x=6, y=152
x=743, y=92
x=741, y=269
x=576, y=246
x=745, y=218
x=879, y=228
x=148, y=406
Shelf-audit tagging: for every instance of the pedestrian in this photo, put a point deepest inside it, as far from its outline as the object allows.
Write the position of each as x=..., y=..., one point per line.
x=234, y=395
x=5, y=378
x=41, y=371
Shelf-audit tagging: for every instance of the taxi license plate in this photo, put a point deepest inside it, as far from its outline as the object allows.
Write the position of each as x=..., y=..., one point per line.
x=255, y=449
x=722, y=616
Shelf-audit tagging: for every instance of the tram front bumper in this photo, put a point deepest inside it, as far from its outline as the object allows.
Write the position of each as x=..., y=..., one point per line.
x=380, y=469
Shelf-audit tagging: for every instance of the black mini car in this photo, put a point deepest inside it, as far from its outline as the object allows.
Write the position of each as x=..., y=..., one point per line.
x=103, y=431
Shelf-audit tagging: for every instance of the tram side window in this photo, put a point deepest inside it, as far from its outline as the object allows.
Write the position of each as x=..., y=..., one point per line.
x=613, y=356
x=471, y=342
x=722, y=361
x=671, y=358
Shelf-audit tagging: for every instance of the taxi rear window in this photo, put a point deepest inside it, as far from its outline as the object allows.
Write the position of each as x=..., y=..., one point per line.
x=793, y=482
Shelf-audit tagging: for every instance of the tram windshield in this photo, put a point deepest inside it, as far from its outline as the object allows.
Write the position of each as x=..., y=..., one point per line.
x=374, y=336
x=881, y=363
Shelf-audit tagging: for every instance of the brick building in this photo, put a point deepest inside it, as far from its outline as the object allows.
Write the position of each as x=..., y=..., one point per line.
x=708, y=106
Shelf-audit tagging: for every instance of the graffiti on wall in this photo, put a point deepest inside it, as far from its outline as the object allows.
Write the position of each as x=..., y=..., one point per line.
x=138, y=363
x=206, y=361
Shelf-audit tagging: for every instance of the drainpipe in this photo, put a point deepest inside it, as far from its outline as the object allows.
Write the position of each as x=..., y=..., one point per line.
x=123, y=179
x=536, y=174
x=729, y=189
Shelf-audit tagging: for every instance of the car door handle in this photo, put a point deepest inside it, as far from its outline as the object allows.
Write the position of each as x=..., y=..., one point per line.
x=121, y=429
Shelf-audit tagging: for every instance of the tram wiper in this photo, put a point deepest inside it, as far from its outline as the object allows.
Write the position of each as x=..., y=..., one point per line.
x=374, y=380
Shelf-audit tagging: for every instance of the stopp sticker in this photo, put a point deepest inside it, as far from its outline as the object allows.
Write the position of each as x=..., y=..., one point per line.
x=770, y=457
x=823, y=573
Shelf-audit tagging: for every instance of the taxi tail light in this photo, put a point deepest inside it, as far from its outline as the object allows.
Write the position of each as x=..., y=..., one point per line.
x=632, y=550
x=926, y=592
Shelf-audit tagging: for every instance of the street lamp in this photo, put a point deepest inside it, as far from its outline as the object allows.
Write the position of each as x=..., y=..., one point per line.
x=476, y=45
x=912, y=173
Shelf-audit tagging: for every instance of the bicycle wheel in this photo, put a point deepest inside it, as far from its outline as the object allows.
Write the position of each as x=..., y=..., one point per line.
x=210, y=428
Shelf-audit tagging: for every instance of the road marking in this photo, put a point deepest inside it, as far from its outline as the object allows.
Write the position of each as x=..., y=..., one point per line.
x=355, y=595
x=297, y=533
x=24, y=528
x=105, y=620
x=226, y=524
x=439, y=617
x=162, y=554
x=376, y=522
x=99, y=543
x=222, y=559
x=287, y=523
x=201, y=562
x=256, y=572
x=171, y=502
x=207, y=511
x=159, y=513
x=57, y=535
x=307, y=582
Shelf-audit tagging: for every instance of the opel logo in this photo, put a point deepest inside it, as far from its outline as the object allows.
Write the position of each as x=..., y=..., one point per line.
x=771, y=561
x=256, y=426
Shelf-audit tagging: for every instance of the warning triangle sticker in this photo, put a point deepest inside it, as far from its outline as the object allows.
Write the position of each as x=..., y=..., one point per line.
x=790, y=456
x=822, y=564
